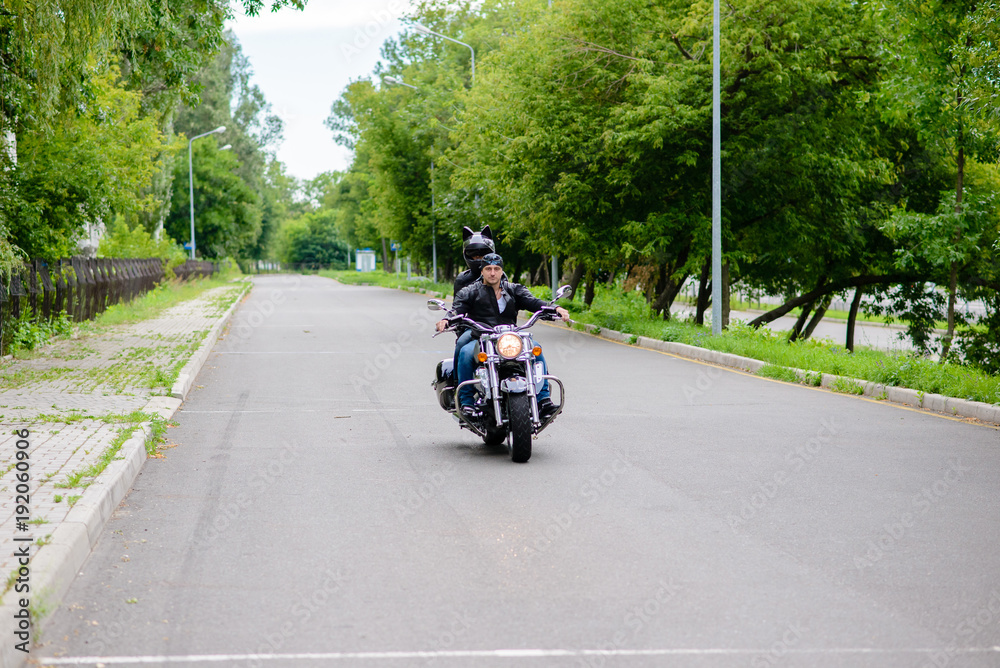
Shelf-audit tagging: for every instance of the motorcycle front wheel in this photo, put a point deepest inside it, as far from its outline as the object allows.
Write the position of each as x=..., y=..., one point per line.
x=519, y=406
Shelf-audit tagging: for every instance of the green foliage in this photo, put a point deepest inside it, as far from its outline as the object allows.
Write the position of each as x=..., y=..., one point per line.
x=312, y=239
x=952, y=234
x=122, y=242
x=229, y=99
x=847, y=386
x=30, y=331
x=94, y=163
x=227, y=211
x=87, y=136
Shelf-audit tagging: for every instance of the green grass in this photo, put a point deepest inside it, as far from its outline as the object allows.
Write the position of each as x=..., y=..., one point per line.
x=130, y=422
x=31, y=332
x=154, y=302
x=778, y=373
x=151, y=367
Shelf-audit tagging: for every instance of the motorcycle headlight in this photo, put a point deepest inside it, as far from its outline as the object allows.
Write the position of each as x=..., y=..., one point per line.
x=509, y=346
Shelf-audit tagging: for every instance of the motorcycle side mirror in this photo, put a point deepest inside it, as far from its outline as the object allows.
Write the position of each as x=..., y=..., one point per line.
x=435, y=304
x=564, y=291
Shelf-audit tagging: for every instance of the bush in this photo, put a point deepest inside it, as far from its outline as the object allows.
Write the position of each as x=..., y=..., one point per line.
x=121, y=241
x=30, y=332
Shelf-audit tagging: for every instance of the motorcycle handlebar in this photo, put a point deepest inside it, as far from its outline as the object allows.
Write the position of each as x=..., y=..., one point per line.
x=454, y=319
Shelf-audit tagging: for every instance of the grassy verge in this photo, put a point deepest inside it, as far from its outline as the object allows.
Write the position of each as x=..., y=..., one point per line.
x=833, y=314
x=153, y=303
x=629, y=313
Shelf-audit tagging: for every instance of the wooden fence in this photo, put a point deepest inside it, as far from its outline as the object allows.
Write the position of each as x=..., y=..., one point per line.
x=81, y=287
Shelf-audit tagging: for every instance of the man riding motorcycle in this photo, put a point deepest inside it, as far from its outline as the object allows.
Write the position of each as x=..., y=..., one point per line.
x=494, y=301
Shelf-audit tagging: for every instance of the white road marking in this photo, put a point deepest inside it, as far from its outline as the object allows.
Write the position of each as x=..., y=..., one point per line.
x=497, y=653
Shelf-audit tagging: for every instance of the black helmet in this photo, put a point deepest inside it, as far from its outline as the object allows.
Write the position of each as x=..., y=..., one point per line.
x=492, y=258
x=476, y=244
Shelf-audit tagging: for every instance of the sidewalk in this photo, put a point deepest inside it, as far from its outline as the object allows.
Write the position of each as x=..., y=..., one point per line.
x=79, y=400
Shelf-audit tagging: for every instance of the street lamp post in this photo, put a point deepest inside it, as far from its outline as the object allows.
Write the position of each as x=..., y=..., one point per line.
x=434, y=241
x=427, y=31
x=221, y=128
x=716, y=180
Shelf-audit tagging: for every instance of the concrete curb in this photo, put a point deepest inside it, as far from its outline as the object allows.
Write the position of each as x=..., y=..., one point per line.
x=185, y=379
x=56, y=564
x=900, y=395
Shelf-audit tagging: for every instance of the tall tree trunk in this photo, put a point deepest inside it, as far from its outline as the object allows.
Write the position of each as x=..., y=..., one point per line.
x=852, y=318
x=588, y=297
x=826, y=289
x=816, y=319
x=666, y=298
x=801, y=322
x=385, y=257
x=653, y=289
x=704, y=293
x=953, y=273
x=540, y=275
x=574, y=280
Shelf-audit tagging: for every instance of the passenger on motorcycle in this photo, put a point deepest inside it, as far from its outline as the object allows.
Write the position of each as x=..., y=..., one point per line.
x=474, y=246
x=495, y=301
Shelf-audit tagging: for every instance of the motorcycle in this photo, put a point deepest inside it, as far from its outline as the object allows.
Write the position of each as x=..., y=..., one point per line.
x=508, y=378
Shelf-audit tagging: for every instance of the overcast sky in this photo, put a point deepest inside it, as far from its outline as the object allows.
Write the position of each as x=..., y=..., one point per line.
x=302, y=61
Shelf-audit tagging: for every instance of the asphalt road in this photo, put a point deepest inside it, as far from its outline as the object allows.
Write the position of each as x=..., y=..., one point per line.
x=320, y=509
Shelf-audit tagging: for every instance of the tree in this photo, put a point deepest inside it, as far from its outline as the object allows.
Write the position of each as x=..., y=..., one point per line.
x=229, y=99
x=944, y=79
x=95, y=162
x=399, y=133
x=52, y=58
x=312, y=239
x=122, y=241
x=227, y=212
x=590, y=135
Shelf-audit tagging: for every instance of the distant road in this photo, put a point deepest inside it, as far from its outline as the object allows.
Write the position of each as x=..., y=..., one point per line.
x=874, y=335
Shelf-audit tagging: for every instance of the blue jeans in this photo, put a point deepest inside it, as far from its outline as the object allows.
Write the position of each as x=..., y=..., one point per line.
x=465, y=365
x=463, y=339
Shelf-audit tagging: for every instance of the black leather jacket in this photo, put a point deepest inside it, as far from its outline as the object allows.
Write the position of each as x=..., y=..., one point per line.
x=465, y=279
x=479, y=302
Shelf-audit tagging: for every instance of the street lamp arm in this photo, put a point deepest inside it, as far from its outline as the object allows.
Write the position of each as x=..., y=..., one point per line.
x=428, y=31
x=221, y=128
x=398, y=82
